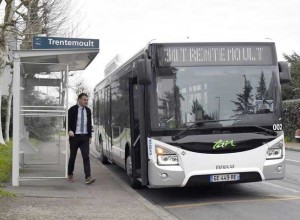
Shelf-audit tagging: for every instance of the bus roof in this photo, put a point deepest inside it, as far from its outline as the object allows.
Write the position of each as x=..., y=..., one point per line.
x=121, y=66
x=211, y=40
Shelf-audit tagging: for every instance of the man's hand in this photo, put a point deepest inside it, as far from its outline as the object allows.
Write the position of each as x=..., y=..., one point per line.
x=90, y=140
x=71, y=133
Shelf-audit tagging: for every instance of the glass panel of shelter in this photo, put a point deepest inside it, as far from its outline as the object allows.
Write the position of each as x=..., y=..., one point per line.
x=43, y=108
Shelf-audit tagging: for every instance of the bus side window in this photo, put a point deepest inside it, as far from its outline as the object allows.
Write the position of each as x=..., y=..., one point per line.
x=97, y=108
x=94, y=110
x=101, y=108
x=115, y=108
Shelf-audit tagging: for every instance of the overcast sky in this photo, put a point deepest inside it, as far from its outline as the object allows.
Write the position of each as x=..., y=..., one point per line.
x=124, y=27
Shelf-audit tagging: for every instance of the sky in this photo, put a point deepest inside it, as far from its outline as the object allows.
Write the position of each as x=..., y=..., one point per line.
x=125, y=27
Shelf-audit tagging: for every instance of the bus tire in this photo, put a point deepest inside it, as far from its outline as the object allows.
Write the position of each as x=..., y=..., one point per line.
x=102, y=157
x=134, y=183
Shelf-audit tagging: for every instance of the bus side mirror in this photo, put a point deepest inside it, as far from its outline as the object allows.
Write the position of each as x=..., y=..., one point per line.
x=284, y=72
x=144, y=71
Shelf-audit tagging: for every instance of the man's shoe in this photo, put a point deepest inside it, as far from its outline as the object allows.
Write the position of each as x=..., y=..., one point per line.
x=89, y=180
x=70, y=179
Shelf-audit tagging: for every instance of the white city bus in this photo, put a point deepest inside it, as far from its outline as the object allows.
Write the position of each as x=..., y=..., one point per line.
x=184, y=113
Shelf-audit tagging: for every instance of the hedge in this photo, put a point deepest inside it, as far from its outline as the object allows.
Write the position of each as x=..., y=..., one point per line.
x=289, y=116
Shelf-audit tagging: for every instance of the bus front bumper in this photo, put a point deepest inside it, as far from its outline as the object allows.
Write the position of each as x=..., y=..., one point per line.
x=174, y=176
x=165, y=176
x=275, y=170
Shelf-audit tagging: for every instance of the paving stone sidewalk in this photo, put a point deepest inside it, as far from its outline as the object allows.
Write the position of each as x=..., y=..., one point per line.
x=107, y=198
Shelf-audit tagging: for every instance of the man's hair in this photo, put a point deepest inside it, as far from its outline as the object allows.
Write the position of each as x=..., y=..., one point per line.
x=81, y=95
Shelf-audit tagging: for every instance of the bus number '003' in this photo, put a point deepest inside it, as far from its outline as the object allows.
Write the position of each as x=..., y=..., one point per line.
x=277, y=127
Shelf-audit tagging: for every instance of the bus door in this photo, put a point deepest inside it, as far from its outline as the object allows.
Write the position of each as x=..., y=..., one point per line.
x=134, y=127
x=107, y=116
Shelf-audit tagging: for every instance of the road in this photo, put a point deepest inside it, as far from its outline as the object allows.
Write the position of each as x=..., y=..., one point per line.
x=278, y=199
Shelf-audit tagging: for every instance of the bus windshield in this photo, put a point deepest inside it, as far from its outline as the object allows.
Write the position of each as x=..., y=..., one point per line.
x=188, y=94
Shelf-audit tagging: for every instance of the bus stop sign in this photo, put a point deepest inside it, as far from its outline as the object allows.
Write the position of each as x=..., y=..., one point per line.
x=48, y=43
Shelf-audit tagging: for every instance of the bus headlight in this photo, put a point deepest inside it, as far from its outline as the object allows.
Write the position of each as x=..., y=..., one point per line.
x=275, y=151
x=165, y=157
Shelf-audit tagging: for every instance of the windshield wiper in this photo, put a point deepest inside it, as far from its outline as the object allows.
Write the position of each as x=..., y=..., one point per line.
x=265, y=130
x=180, y=134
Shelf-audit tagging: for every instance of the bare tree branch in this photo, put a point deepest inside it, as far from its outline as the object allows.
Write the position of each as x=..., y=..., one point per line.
x=28, y=18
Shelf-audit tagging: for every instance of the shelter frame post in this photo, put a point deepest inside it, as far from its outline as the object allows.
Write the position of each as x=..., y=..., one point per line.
x=67, y=117
x=16, y=121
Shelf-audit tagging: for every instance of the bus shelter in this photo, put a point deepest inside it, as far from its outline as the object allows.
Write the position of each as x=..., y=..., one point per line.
x=40, y=107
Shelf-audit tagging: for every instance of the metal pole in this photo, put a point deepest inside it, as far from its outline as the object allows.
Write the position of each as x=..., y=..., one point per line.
x=16, y=121
x=67, y=119
x=219, y=100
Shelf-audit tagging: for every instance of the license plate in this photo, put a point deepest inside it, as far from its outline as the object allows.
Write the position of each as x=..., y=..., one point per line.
x=225, y=177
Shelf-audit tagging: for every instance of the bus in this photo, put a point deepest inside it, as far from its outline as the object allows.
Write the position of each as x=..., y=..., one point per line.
x=185, y=113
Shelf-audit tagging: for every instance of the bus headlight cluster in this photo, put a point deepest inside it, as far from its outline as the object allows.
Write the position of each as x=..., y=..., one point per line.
x=275, y=151
x=165, y=157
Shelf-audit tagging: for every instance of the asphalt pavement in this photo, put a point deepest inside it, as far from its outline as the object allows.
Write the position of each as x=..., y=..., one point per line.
x=112, y=198
x=277, y=199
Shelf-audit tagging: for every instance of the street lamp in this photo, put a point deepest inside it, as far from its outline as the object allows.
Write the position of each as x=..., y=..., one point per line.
x=219, y=102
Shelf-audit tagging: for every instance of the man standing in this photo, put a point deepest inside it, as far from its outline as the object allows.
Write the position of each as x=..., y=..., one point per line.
x=80, y=134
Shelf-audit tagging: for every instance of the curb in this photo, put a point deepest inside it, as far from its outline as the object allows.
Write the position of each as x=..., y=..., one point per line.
x=159, y=211
x=297, y=149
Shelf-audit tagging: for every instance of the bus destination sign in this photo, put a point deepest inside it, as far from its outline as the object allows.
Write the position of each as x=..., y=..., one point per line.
x=185, y=55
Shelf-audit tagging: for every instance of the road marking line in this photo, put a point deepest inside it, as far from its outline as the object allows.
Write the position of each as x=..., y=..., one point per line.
x=233, y=201
x=282, y=187
x=296, y=161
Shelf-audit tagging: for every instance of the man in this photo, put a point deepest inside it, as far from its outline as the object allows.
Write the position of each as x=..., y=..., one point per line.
x=80, y=134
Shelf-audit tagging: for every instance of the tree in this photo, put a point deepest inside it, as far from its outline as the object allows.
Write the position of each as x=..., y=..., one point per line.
x=261, y=90
x=42, y=17
x=8, y=112
x=197, y=110
x=6, y=34
x=244, y=99
x=292, y=90
x=20, y=23
x=81, y=87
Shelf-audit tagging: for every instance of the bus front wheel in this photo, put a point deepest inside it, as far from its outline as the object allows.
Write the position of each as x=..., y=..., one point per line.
x=102, y=157
x=134, y=183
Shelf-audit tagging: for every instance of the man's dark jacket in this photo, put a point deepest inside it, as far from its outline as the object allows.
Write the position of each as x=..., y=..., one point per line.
x=73, y=114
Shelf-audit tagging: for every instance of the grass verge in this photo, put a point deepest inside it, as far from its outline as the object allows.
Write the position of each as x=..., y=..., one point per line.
x=6, y=194
x=5, y=167
x=5, y=162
